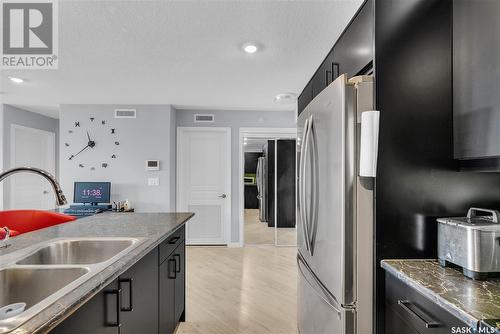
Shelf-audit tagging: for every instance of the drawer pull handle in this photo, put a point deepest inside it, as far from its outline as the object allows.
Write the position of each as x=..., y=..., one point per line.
x=173, y=240
x=177, y=258
x=172, y=274
x=116, y=293
x=414, y=311
x=130, y=307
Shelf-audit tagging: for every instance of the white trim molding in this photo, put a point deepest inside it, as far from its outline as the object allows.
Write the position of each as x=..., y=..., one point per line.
x=268, y=133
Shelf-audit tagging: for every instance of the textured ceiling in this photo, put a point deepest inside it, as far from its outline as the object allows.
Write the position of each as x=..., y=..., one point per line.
x=185, y=53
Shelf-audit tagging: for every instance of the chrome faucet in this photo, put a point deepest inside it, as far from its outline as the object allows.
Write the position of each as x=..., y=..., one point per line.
x=61, y=199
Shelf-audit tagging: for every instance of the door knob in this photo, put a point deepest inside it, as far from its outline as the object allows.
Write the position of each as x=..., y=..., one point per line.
x=223, y=196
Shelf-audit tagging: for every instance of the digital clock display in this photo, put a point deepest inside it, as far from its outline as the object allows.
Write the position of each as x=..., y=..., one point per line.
x=92, y=192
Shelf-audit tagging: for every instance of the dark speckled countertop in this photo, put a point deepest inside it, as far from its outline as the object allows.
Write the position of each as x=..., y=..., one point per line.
x=152, y=228
x=469, y=300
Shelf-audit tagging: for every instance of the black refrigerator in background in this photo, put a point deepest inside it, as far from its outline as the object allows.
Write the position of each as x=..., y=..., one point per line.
x=283, y=168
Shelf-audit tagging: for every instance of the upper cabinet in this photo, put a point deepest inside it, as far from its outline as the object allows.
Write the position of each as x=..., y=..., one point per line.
x=305, y=97
x=476, y=73
x=352, y=54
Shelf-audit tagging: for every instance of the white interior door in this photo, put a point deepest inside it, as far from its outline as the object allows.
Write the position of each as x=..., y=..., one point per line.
x=33, y=148
x=204, y=183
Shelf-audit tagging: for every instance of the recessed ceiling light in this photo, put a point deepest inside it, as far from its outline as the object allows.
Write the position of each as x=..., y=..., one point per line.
x=250, y=48
x=285, y=98
x=16, y=80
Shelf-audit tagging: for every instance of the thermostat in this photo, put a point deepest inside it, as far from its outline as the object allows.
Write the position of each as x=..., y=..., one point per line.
x=152, y=164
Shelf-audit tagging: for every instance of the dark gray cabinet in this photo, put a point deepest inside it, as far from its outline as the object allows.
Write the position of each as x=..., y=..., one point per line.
x=351, y=54
x=305, y=97
x=167, y=296
x=172, y=282
x=128, y=305
x=148, y=298
x=139, y=297
x=99, y=315
x=476, y=70
x=408, y=311
x=180, y=281
x=281, y=165
x=172, y=290
x=396, y=324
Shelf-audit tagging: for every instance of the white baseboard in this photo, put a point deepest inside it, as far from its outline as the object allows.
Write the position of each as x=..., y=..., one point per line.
x=234, y=245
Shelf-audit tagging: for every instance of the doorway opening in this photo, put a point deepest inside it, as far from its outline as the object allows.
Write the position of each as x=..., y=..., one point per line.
x=268, y=187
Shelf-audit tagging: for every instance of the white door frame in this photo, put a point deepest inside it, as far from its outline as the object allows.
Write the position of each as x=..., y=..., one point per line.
x=270, y=133
x=51, y=145
x=181, y=130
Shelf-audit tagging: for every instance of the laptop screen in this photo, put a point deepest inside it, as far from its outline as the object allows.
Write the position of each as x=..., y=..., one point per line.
x=92, y=192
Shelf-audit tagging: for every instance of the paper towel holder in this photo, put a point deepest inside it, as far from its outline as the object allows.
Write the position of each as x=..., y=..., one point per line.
x=368, y=152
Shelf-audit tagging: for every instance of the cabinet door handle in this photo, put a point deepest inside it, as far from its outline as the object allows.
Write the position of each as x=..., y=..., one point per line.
x=117, y=293
x=171, y=273
x=177, y=258
x=335, y=70
x=415, y=312
x=130, y=307
x=327, y=82
x=174, y=240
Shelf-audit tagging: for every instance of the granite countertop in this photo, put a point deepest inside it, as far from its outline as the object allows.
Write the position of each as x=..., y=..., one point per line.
x=151, y=228
x=469, y=300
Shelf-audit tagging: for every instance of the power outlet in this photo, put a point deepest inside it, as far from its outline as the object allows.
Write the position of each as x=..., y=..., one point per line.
x=153, y=181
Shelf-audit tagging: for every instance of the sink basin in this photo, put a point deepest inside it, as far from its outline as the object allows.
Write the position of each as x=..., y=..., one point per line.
x=33, y=285
x=77, y=251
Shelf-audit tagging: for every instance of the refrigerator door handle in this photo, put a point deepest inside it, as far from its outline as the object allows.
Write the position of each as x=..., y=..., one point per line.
x=313, y=210
x=257, y=177
x=302, y=184
x=325, y=295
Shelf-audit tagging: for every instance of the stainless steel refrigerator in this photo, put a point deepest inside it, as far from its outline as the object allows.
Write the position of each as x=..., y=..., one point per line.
x=335, y=213
x=261, y=180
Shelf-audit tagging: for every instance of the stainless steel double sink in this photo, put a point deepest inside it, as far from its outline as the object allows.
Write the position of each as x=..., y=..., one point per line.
x=45, y=272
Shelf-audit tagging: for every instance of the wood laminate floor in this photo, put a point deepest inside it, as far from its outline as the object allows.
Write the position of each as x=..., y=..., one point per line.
x=259, y=233
x=250, y=290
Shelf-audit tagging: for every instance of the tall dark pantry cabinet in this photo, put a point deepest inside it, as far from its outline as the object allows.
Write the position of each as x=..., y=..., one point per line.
x=281, y=183
x=408, y=47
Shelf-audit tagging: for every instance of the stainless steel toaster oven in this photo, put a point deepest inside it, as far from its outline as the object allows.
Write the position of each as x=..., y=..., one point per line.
x=472, y=243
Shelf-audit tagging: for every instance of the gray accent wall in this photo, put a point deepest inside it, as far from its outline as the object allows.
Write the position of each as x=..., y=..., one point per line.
x=149, y=136
x=13, y=115
x=236, y=119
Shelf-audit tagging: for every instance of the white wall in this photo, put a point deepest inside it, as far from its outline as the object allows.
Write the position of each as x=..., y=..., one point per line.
x=149, y=136
x=236, y=119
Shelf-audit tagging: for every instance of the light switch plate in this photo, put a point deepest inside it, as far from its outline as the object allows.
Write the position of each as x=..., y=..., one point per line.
x=153, y=181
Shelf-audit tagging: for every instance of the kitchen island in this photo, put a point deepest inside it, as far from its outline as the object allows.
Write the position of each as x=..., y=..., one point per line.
x=474, y=303
x=154, y=237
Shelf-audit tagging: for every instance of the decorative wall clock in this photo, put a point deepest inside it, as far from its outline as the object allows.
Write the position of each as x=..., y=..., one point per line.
x=92, y=143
